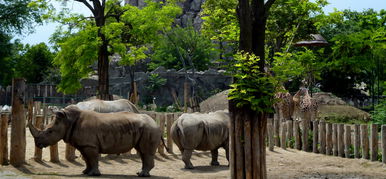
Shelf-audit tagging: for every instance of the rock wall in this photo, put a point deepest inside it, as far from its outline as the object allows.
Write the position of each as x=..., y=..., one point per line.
x=206, y=83
x=190, y=11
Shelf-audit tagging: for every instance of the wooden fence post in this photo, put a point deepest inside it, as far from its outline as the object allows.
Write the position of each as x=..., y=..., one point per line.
x=54, y=153
x=290, y=133
x=374, y=142
x=276, y=126
x=283, y=137
x=297, y=135
x=341, y=140
x=4, y=138
x=315, y=136
x=365, y=141
x=39, y=125
x=335, y=139
x=322, y=137
x=329, y=139
x=18, y=134
x=383, y=143
x=161, y=119
x=70, y=152
x=347, y=143
x=357, y=140
x=169, y=122
x=305, y=124
x=270, y=134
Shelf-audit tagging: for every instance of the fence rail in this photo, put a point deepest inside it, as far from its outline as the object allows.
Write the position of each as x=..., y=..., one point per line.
x=41, y=117
x=367, y=141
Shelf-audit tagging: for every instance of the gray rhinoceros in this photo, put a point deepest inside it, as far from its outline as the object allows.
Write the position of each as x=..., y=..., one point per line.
x=195, y=131
x=108, y=133
x=108, y=106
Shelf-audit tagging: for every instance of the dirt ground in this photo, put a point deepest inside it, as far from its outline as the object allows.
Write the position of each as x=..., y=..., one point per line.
x=280, y=164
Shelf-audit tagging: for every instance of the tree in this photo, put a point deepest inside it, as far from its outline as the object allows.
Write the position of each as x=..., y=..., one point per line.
x=251, y=94
x=357, y=52
x=115, y=29
x=16, y=17
x=34, y=64
x=183, y=48
x=220, y=25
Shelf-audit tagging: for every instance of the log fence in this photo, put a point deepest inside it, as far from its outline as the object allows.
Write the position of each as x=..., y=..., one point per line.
x=367, y=141
x=41, y=117
x=349, y=141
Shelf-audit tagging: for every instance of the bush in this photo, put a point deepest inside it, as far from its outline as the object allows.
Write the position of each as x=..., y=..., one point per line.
x=379, y=113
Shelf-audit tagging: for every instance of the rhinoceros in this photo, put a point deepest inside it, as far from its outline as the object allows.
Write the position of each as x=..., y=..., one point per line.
x=107, y=133
x=108, y=106
x=196, y=131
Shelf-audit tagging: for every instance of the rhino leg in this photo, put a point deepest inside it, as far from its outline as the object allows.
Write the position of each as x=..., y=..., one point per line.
x=91, y=158
x=186, y=155
x=147, y=164
x=214, y=161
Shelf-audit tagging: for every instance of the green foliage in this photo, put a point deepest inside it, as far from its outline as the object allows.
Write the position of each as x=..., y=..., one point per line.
x=183, y=47
x=251, y=87
x=357, y=50
x=19, y=15
x=379, y=113
x=154, y=82
x=78, y=52
x=128, y=31
x=291, y=21
x=7, y=50
x=34, y=64
x=221, y=24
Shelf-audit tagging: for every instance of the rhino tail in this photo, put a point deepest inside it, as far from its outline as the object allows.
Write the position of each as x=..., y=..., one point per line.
x=163, y=142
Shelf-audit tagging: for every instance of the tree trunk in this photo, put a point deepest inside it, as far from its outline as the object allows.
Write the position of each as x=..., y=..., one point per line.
x=248, y=127
x=247, y=143
x=103, y=55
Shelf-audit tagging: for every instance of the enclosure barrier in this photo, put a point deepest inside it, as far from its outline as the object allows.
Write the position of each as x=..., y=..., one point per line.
x=367, y=141
x=40, y=115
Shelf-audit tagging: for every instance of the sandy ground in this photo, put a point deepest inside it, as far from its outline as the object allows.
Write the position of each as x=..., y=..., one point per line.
x=280, y=164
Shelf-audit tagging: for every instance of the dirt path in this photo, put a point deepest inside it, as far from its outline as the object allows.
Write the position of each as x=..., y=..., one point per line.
x=280, y=164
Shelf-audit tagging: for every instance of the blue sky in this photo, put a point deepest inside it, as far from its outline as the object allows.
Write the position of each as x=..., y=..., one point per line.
x=42, y=33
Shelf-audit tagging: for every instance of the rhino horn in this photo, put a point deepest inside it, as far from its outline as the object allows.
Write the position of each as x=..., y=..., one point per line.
x=35, y=132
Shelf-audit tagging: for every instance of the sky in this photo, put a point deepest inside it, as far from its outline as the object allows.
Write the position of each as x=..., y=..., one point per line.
x=43, y=33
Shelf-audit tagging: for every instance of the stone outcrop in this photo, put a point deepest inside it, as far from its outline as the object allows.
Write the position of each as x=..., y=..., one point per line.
x=190, y=11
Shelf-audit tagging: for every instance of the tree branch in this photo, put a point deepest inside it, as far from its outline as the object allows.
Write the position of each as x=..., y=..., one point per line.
x=88, y=5
x=268, y=4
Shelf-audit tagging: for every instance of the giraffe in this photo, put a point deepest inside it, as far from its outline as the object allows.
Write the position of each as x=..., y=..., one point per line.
x=284, y=105
x=305, y=108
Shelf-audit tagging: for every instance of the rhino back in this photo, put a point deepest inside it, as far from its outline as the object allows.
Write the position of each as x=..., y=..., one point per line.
x=203, y=131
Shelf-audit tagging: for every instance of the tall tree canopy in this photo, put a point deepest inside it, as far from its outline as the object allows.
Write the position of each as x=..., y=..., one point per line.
x=125, y=30
x=16, y=17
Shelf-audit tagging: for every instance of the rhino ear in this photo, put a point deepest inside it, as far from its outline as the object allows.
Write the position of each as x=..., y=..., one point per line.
x=60, y=115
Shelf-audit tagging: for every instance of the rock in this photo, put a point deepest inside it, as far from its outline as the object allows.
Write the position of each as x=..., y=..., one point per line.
x=216, y=102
